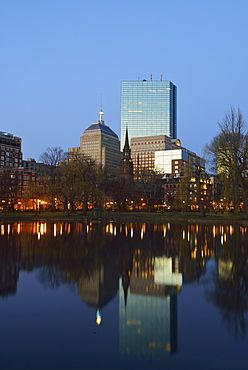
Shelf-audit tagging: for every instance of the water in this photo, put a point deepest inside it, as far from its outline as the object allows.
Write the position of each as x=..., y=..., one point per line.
x=123, y=296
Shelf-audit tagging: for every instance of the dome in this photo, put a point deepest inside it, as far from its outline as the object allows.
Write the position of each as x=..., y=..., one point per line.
x=102, y=128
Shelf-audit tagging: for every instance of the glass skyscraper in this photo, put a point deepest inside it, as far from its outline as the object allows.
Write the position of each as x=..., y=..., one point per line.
x=148, y=108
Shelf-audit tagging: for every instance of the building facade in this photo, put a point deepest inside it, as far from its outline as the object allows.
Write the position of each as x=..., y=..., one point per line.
x=143, y=151
x=101, y=144
x=175, y=162
x=10, y=151
x=148, y=108
x=11, y=172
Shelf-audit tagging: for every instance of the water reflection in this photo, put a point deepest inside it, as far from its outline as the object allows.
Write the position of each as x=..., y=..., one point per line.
x=147, y=264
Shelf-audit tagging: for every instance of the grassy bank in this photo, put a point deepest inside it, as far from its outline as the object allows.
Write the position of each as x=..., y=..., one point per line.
x=193, y=217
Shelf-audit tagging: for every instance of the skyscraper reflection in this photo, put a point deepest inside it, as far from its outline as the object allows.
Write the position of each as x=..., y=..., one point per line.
x=148, y=317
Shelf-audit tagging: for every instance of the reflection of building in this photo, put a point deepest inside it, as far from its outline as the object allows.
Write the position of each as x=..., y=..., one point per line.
x=148, y=319
x=148, y=108
x=100, y=143
x=100, y=287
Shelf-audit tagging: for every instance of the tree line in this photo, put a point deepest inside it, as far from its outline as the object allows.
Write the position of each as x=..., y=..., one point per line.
x=76, y=181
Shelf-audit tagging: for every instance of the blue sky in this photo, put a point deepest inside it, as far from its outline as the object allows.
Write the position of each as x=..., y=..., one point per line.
x=58, y=56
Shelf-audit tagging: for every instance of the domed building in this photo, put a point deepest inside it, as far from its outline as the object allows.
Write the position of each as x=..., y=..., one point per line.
x=100, y=143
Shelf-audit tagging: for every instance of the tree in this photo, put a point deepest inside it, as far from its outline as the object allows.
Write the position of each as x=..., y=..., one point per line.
x=81, y=180
x=151, y=184
x=9, y=188
x=51, y=158
x=228, y=155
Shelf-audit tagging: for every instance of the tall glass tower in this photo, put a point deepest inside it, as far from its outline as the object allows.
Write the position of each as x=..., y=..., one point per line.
x=148, y=108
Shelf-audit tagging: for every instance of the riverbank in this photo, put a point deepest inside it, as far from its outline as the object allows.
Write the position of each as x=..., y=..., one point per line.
x=190, y=217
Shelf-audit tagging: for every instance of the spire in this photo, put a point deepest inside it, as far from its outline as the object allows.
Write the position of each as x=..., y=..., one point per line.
x=126, y=146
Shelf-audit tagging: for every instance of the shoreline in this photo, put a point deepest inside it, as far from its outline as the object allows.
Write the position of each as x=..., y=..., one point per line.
x=125, y=217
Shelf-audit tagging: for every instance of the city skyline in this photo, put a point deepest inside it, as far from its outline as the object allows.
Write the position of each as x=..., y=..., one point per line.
x=55, y=65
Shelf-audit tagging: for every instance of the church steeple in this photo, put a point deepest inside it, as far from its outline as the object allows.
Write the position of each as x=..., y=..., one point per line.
x=126, y=149
x=126, y=140
x=126, y=165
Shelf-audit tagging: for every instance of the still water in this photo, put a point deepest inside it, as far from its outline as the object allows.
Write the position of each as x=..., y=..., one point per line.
x=123, y=296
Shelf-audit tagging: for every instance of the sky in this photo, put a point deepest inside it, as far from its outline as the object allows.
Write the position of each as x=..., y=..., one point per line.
x=60, y=58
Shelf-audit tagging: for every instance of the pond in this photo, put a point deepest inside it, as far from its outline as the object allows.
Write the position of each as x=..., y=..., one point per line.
x=123, y=296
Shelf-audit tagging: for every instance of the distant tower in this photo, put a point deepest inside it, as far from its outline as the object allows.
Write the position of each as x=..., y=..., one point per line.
x=126, y=166
x=100, y=143
x=148, y=108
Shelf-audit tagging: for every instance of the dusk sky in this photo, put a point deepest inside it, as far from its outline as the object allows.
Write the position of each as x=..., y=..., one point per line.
x=59, y=56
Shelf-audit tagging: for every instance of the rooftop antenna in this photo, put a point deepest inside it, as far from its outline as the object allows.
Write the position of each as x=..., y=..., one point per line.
x=160, y=77
x=101, y=113
x=151, y=76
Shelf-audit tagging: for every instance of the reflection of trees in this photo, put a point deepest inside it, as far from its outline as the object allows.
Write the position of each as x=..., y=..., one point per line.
x=70, y=257
x=10, y=263
x=77, y=251
x=195, y=247
x=229, y=288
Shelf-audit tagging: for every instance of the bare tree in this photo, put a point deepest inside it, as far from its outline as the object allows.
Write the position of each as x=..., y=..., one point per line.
x=151, y=184
x=228, y=155
x=51, y=158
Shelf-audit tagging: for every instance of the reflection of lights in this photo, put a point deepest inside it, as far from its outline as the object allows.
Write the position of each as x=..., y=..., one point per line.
x=8, y=229
x=183, y=234
x=126, y=231
x=221, y=240
x=54, y=230
x=141, y=234
x=131, y=232
x=165, y=231
x=98, y=317
x=61, y=229
x=243, y=230
x=18, y=229
x=2, y=229
x=40, y=229
x=193, y=253
x=214, y=231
